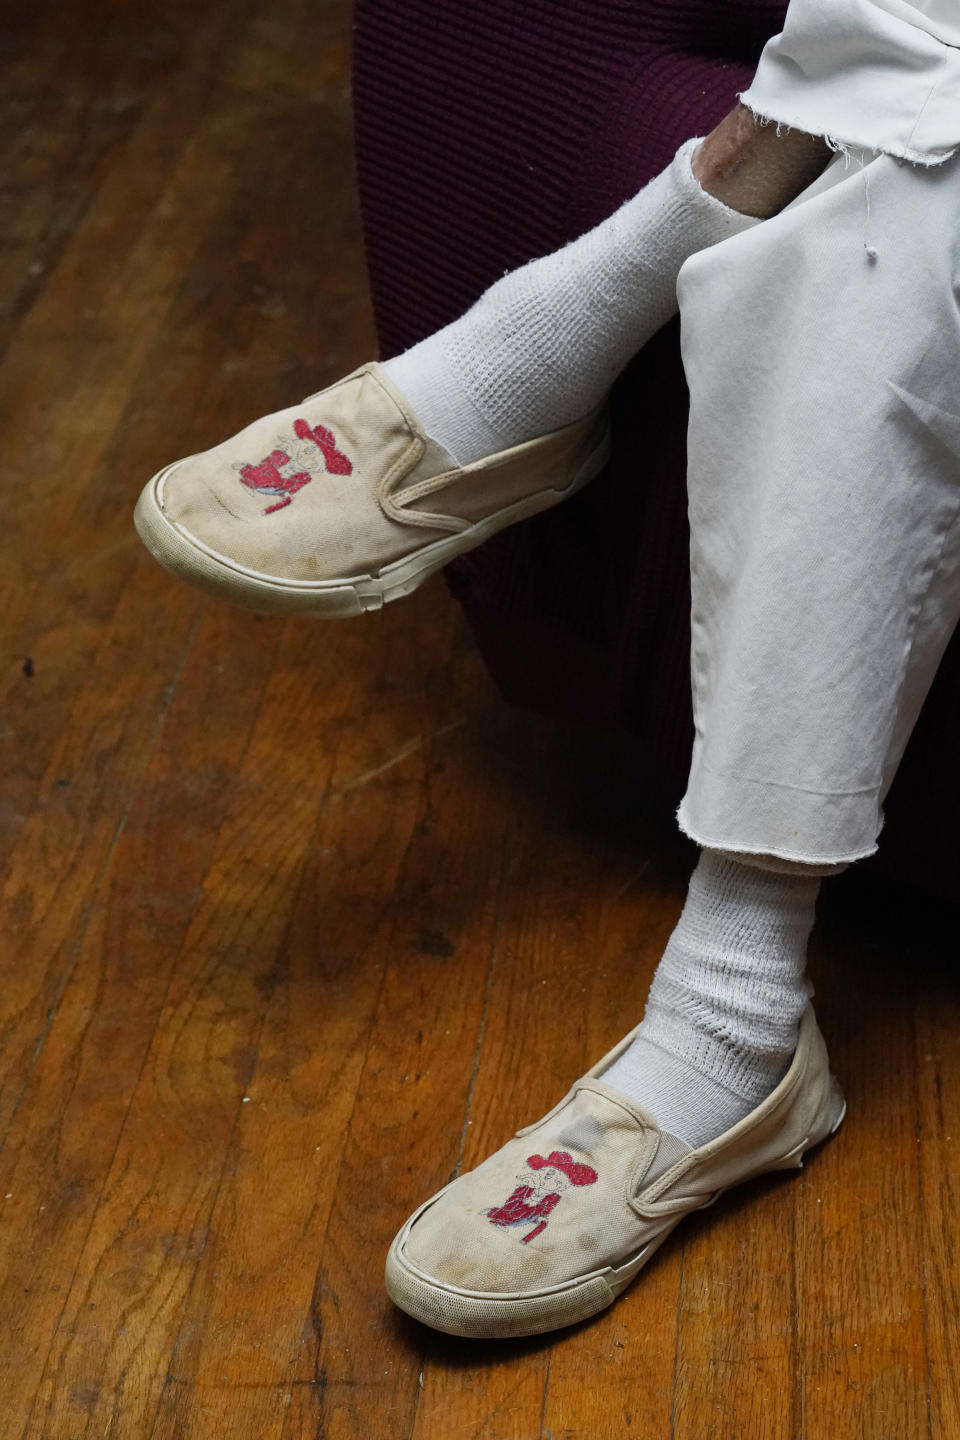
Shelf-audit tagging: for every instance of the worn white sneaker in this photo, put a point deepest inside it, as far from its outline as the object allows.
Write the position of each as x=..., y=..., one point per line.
x=555, y=1225
x=343, y=502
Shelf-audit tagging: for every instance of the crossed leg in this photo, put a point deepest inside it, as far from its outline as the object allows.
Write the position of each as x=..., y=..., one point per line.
x=821, y=350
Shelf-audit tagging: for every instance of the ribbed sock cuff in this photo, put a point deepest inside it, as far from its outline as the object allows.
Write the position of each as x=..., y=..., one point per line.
x=747, y=1073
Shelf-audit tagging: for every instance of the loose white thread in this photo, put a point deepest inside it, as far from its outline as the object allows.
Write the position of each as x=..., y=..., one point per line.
x=869, y=250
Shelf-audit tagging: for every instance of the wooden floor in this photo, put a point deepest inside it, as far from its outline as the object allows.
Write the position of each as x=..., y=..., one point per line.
x=298, y=918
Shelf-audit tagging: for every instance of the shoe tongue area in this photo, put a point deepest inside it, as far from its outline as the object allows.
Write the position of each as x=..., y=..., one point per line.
x=670, y=1148
x=669, y=1151
x=435, y=460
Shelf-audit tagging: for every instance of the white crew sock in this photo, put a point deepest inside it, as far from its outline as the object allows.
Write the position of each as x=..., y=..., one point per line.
x=722, y=1017
x=542, y=346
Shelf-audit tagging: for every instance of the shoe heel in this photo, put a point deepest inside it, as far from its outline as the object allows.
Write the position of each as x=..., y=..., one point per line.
x=834, y=1111
x=839, y=1105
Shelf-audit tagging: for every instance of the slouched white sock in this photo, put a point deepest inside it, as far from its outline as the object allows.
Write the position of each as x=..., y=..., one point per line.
x=722, y=1017
x=542, y=346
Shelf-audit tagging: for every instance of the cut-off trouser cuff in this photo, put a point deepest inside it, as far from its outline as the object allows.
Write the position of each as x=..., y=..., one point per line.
x=821, y=351
x=757, y=824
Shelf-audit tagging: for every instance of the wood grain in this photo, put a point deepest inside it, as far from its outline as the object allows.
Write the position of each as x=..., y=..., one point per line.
x=938, y=1199
x=298, y=920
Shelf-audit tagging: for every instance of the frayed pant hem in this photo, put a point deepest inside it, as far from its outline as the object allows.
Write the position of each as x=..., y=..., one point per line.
x=850, y=149
x=758, y=854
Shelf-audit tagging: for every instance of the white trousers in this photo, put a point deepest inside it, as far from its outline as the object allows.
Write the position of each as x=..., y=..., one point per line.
x=822, y=351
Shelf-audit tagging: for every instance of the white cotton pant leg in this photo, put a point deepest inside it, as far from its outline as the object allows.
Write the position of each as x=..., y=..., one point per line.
x=822, y=351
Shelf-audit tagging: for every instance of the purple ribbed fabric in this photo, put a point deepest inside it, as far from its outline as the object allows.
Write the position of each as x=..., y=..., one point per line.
x=491, y=133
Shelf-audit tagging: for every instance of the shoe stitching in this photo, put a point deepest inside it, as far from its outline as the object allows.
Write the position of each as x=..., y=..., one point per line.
x=795, y=1076
x=406, y=460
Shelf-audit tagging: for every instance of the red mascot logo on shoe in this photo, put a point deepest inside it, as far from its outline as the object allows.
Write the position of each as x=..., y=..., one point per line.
x=540, y=1191
x=266, y=478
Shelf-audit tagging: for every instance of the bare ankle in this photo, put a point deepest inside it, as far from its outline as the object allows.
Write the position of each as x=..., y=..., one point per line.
x=751, y=168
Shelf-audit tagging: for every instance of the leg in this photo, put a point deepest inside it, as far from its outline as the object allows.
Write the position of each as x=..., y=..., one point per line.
x=824, y=497
x=489, y=421
x=824, y=493
x=543, y=345
x=824, y=501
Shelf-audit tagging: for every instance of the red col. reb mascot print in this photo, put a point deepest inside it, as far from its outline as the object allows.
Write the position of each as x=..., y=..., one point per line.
x=540, y=1191
x=313, y=450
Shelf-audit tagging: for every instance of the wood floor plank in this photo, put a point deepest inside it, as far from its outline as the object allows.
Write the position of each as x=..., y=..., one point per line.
x=859, y=1261
x=534, y=1017
x=79, y=568
x=80, y=602
x=252, y=1312
x=60, y=1147
x=147, y=332
x=614, y=1375
x=925, y=939
x=405, y=1136
x=938, y=1200
x=77, y=83
x=736, y=1328
x=116, y=278
x=94, y=765
x=573, y=943
x=153, y=1213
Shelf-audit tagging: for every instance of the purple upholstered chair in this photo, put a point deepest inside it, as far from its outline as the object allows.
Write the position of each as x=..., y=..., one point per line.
x=487, y=134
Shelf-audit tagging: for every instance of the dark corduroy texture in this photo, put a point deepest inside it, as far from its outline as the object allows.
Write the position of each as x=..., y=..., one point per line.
x=491, y=133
